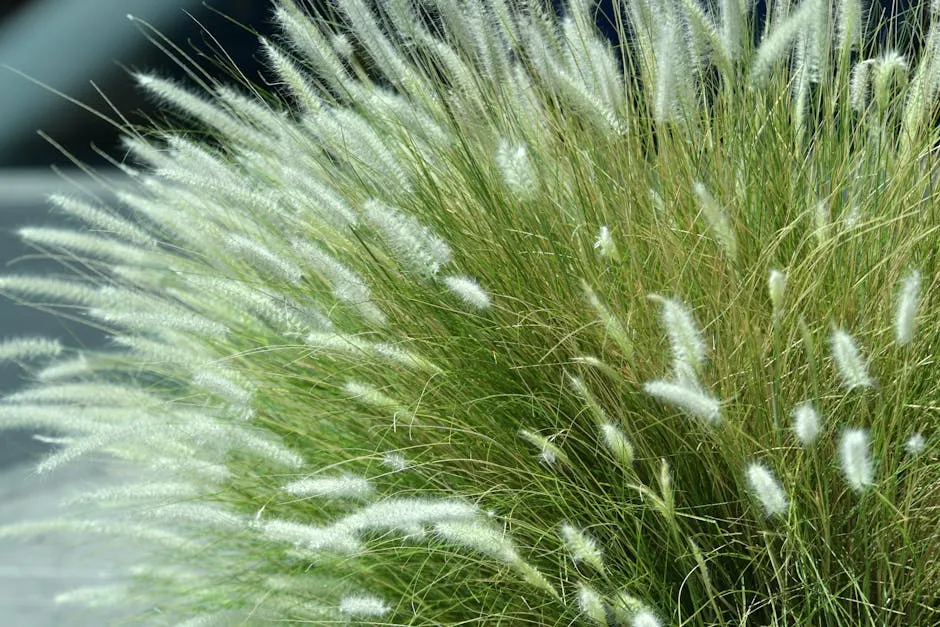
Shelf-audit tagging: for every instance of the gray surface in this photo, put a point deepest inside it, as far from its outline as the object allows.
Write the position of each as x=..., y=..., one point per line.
x=65, y=44
x=23, y=202
x=34, y=570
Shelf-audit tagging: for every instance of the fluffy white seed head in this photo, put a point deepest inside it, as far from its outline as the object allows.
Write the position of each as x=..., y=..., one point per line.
x=363, y=606
x=604, y=245
x=860, y=85
x=548, y=452
x=582, y=547
x=856, y=459
x=692, y=401
x=259, y=255
x=478, y=536
x=516, y=169
x=415, y=246
x=915, y=444
x=645, y=618
x=395, y=461
x=765, y=487
x=28, y=348
x=806, y=423
x=905, y=317
x=468, y=291
x=617, y=443
x=592, y=605
x=686, y=341
x=718, y=220
x=776, y=287
x=852, y=368
x=343, y=487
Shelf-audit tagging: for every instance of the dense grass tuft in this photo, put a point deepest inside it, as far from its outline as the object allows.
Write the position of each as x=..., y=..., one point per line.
x=481, y=319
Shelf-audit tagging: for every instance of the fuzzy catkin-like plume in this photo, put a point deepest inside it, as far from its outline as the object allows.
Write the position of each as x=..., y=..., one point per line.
x=852, y=368
x=860, y=85
x=592, y=605
x=777, y=287
x=765, y=487
x=645, y=618
x=517, y=170
x=605, y=246
x=28, y=348
x=614, y=327
x=915, y=444
x=363, y=606
x=582, y=547
x=855, y=459
x=686, y=341
x=692, y=401
x=344, y=487
x=415, y=246
x=468, y=291
x=617, y=443
x=718, y=220
x=905, y=317
x=548, y=452
x=806, y=423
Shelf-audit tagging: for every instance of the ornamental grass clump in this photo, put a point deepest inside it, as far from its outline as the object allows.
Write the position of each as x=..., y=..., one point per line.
x=468, y=321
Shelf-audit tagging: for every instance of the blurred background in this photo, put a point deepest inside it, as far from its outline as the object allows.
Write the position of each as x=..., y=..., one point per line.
x=85, y=50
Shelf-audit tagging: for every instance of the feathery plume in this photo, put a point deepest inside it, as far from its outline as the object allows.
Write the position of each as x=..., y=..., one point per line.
x=764, y=486
x=852, y=368
x=686, y=341
x=859, y=86
x=548, y=452
x=363, y=606
x=468, y=291
x=905, y=317
x=856, y=460
x=776, y=287
x=592, y=605
x=28, y=348
x=915, y=444
x=615, y=329
x=582, y=547
x=692, y=401
x=617, y=443
x=806, y=423
x=718, y=220
x=605, y=246
x=516, y=168
x=344, y=487
x=416, y=247
x=645, y=618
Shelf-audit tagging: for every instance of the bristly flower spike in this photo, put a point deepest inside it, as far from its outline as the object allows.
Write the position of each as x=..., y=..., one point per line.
x=852, y=368
x=765, y=487
x=582, y=547
x=806, y=423
x=693, y=401
x=605, y=246
x=777, y=287
x=468, y=292
x=915, y=444
x=592, y=605
x=686, y=341
x=856, y=459
x=905, y=317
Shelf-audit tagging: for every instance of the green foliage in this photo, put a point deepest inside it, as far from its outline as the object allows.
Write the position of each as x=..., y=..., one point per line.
x=465, y=326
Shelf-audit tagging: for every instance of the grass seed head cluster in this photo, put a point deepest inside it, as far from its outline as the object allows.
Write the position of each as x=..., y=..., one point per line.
x=476, y=317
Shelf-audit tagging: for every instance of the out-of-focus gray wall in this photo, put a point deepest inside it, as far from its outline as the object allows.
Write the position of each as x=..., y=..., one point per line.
x=68, y=45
